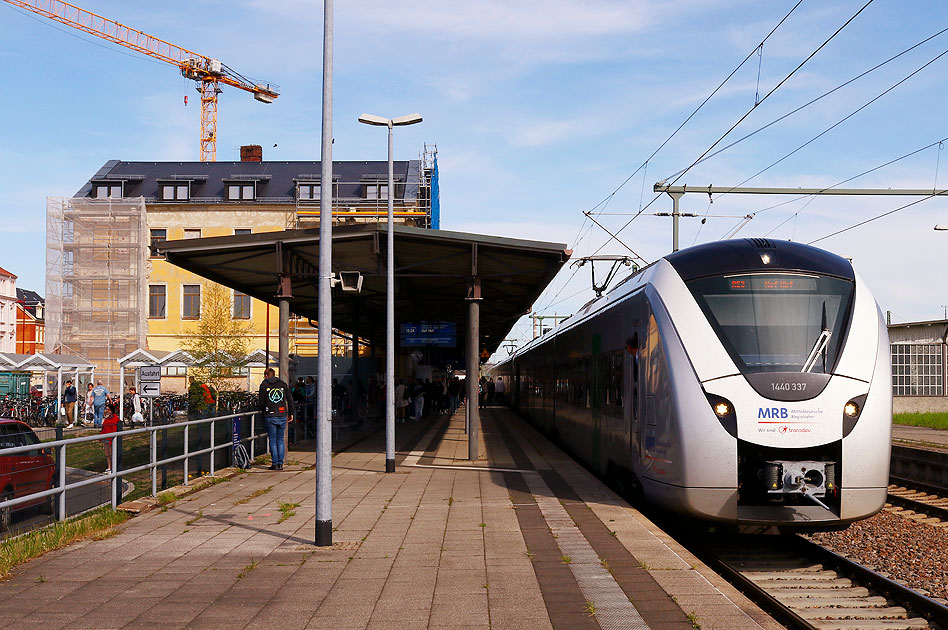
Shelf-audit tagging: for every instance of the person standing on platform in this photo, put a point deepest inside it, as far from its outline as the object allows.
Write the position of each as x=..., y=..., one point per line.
x=100, y=397
x=136, y=404
x=499, y=389
x=70, y=396
x=89, y=414
x=309, y=411
x=276, y=407
x=402, y=396
x=109, y=425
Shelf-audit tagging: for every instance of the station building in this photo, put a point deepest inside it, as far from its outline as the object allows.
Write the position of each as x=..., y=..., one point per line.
x=919, y=366
x=108, y=296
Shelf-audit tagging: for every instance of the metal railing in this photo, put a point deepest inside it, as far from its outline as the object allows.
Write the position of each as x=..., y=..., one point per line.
x=155, y=461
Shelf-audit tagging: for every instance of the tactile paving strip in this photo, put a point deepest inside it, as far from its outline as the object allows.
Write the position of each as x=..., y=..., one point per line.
x=612, y=607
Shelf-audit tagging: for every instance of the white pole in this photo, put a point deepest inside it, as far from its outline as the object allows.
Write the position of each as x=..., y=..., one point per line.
x=324, y=371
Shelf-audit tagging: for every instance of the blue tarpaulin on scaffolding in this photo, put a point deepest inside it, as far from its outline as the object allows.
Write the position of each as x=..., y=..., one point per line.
x=435, y=198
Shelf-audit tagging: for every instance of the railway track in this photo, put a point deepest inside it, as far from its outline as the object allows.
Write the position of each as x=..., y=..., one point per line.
x=807, y=586
x=930, y=503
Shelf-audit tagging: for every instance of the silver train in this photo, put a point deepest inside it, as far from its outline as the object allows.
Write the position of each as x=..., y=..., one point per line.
x=745, y=382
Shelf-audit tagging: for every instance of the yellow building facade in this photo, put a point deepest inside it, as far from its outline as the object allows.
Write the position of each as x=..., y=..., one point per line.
x=157, y=305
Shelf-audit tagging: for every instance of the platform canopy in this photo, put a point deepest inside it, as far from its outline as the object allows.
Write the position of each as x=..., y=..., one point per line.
x=436, y=272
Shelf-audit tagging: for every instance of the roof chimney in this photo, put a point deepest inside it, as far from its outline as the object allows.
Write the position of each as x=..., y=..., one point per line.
x=251, y=153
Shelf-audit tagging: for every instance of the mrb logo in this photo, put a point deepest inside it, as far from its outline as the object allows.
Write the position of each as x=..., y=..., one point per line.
x=772, y=412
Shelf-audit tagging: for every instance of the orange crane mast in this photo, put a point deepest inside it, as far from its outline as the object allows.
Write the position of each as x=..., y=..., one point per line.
x=208, y=73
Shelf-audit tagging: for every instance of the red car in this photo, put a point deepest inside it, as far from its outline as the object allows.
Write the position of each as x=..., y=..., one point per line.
x=22, y=474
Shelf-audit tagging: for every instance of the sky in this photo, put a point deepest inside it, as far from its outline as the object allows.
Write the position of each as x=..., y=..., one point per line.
x=541, y=111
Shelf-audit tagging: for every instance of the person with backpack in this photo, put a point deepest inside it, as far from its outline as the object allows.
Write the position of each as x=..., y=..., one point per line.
x=276, y=407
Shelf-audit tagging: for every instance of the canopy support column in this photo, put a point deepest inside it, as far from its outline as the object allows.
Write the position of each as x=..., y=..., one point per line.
x=473, y=341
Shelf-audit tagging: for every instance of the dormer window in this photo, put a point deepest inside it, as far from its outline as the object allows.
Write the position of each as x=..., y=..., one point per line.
x=375, y=191
x=242, y=191
x=308, y=191
x=175, y=191
x=107, y=190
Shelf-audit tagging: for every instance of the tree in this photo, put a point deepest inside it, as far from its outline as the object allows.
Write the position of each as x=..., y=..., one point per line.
x=218, y=343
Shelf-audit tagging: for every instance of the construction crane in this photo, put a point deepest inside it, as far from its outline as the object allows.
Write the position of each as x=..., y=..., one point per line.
x=208, y=73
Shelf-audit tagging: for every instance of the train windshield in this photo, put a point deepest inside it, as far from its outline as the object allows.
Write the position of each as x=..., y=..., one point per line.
x=777, y=322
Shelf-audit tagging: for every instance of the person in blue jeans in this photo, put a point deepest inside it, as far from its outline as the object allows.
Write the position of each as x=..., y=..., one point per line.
x=276, y=407
x=100, y=396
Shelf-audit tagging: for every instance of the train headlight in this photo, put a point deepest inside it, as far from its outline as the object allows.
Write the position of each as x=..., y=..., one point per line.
x=851, y=412
x=724, y=411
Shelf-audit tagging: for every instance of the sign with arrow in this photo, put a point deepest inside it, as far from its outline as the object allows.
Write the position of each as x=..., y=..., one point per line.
x=151, y=390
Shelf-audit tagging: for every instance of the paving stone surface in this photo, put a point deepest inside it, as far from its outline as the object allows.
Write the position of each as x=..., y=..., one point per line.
x=441, y=543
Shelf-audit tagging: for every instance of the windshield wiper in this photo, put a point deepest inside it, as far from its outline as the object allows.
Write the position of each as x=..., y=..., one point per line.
x=819, y=347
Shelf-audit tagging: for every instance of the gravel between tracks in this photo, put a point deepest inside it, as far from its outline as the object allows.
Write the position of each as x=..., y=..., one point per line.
x=904, y=549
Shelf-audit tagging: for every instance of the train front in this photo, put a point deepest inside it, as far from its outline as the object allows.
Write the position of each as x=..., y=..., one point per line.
x=799, y=382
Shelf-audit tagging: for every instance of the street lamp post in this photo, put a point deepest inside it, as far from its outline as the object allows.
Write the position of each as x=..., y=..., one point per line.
x=410, y=119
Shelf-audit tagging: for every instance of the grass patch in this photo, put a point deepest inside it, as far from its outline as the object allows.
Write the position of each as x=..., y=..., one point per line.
x=933, y=420
x=197, y=517
x=287, y=510
x=693, y=618
x=566, y=559
x=97, y=524
x=590, y=608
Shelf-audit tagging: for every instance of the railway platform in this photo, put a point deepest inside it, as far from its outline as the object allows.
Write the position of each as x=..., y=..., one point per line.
x=523, y=539
x=915, y=436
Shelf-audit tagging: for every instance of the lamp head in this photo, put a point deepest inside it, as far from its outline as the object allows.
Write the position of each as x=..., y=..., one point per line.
x=371, y=119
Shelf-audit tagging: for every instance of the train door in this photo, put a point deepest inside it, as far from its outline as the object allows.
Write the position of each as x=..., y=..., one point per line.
x=596, y=388
x=631, y=390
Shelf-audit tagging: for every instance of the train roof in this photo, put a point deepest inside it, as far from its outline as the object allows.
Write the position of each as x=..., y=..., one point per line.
x=756, y=254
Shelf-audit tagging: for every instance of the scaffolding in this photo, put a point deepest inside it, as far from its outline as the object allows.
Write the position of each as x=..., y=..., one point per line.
x=96, y=288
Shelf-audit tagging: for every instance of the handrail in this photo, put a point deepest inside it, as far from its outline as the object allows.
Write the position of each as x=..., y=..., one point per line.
x=62, y=488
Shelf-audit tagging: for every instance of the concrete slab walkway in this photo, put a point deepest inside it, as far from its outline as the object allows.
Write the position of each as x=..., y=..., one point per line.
x=522, y=539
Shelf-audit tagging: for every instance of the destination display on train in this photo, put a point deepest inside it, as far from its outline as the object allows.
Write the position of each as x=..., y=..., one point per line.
x=771, y=283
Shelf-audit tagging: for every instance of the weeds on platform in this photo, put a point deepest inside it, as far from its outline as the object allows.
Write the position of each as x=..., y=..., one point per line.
x=693, y=618
x=934, y=420
x=247, y=569
x=287, y=510
x=97, y=524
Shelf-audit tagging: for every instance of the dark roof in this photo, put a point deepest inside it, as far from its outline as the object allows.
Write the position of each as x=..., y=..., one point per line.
x=276, y=181
x=738, y=255
x=432, y=274
x=29, y=297
x=30, y=300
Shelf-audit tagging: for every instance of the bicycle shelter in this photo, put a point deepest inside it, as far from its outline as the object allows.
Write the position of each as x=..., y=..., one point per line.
x=180, y=358
x=141, y=357
x=50, y=362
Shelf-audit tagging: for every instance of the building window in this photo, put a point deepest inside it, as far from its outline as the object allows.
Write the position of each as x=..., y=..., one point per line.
x=192, y=232
x=179, y=191
x=376, y=191
x=69, y=231
x=916, y=369
x=157, y=301
x=174, y=370
x=191, y=301
x=69, y=264
x=107, y=191
x=242, y=231
x=241, y=305
x=158, y=236
x=67, y=289
x=308, y=192
x=244, y=192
